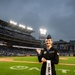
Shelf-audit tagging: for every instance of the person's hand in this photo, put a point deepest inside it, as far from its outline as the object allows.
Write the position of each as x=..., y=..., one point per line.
x=38, y=50
x=43, y=60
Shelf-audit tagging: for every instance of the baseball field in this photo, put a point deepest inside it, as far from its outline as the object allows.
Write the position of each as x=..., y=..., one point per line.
x=30, y=66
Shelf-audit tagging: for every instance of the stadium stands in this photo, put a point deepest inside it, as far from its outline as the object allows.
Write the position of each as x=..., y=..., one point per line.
x=5, y=51
x=17, y=36
x=65, y=48
x=11, y=35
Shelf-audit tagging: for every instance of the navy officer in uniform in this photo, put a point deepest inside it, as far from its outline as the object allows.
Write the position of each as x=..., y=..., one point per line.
x=49, y=53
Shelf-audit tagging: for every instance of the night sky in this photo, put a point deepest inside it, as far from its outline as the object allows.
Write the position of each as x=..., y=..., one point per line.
x=56, y=16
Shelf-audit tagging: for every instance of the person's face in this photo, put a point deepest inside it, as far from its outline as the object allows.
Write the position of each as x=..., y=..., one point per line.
x=48, y=42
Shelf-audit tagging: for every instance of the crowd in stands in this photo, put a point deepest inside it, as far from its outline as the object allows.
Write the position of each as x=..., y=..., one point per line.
x=5, y=51
x=66, y=53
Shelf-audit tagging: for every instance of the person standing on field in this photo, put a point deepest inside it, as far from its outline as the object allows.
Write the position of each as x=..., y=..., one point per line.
x=49, y=56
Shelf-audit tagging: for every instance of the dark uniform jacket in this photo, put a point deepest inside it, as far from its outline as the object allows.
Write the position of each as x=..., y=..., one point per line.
x=52, y=55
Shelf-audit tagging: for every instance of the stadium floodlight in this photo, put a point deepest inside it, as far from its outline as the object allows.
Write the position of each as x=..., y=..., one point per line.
x=43, y=31
x=12, y=22
x=22, y=26
x=29, y=28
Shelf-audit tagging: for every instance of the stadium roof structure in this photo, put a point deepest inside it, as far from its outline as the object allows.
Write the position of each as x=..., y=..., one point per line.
x=14, y=35
x=16, y=26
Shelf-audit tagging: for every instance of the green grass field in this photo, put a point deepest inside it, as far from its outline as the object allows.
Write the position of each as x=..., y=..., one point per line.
x=30, y=66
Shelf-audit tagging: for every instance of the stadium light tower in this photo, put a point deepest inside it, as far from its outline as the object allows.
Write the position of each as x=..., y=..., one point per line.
x=42, y=36
x=22, y=26
x=29, y=28
x=12, y=22
x=43, y=31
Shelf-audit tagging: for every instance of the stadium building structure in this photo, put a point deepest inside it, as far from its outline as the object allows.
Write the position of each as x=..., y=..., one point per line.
x=15, y=41
x=14, y=35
